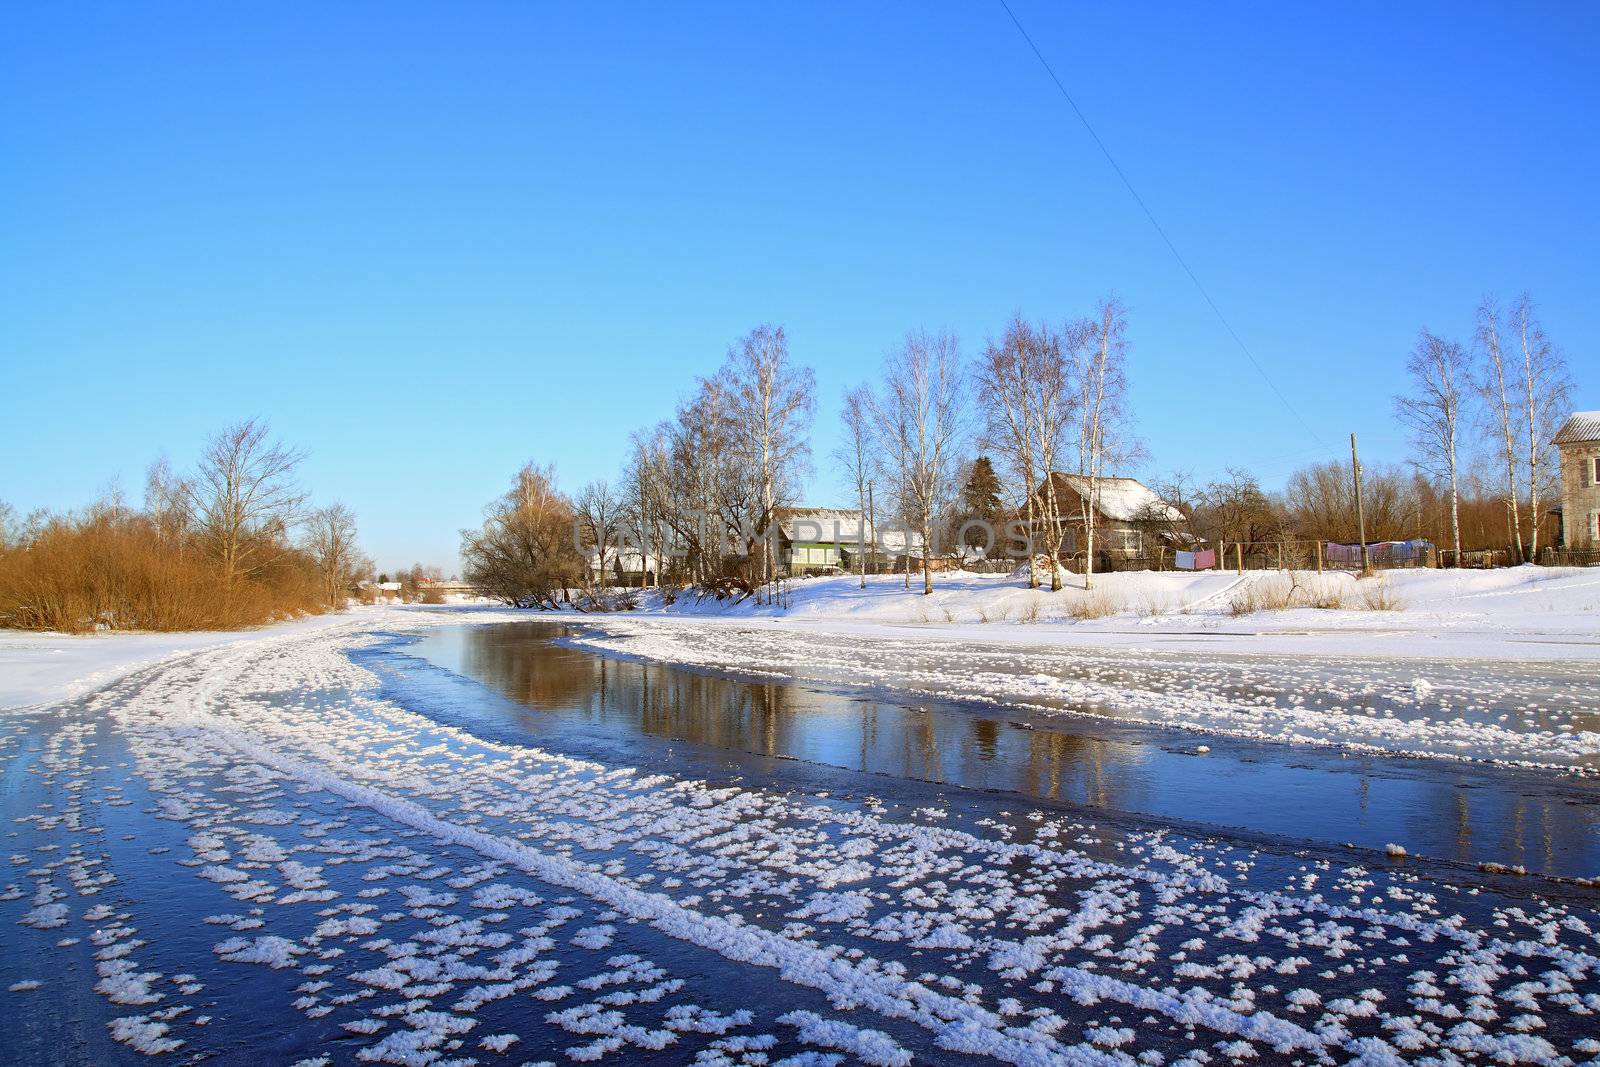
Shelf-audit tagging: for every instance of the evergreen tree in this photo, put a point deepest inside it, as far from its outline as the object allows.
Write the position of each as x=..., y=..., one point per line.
x=980, y=499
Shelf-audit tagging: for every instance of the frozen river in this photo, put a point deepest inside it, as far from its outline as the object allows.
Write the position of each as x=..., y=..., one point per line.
x=411, y=846
x=1461, y=810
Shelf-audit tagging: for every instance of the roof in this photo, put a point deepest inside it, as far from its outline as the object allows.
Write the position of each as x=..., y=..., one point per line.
x=1581, y=426
x=838, y=526
x=632, y=558
x=1122, y=499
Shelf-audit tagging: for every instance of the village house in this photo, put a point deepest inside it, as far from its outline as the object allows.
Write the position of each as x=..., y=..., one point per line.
x=384, y=592
x=819, y=540
x=1579, y=443
x=1132, y=523
x=626, y=567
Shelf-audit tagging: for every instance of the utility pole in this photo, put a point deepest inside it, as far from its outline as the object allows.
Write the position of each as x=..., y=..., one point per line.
x=872, y=521
x=1361, y=515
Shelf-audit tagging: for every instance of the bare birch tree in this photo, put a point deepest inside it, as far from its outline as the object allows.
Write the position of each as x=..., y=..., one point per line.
x=1102, y=417
x=923, y=407
x=599, y=514
x=1547, y=392
x=1433, y=411
x=771, y=410
x=1056, y=403
x=1497, y=389
x=1005, y=381
x=1030, y=399
x=244, y=498
x=698, y=470
x=645, y=504
x=164, y=496
x=854, y=457
x=330, y=540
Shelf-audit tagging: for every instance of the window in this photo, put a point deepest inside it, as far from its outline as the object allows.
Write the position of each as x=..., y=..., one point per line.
x=1594, y=470
x=1126, y=541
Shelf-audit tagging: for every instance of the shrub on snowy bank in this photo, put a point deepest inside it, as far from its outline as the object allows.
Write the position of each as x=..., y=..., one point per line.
x=1293, y=590
x=210, y=550
x=111, y=568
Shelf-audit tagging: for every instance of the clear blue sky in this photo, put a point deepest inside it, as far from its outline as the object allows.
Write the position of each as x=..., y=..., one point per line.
x=430, y=242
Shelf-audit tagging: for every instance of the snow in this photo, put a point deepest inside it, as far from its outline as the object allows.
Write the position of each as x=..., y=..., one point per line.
x=1546, y=613
x=1123, y=499
x=870, y=1046
x=1580, y=426
x=39, y=669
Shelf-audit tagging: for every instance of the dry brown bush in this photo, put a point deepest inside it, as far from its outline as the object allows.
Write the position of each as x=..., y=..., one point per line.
x=1261, y=596
x=1092, y=606
x=1378, y=595
x=112, y=568
x=1279, y=593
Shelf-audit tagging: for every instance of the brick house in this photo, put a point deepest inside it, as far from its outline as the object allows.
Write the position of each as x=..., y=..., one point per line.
x=1579, y=443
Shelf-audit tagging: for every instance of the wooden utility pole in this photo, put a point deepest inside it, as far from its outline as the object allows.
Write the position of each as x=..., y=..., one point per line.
x=863, y=538
x=1361, y=514
x=872, y=521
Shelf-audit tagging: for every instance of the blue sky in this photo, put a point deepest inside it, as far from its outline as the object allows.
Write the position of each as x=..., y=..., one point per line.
x=431, y=242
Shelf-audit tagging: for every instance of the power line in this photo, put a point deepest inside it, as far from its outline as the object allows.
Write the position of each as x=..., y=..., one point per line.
x=1215, y=310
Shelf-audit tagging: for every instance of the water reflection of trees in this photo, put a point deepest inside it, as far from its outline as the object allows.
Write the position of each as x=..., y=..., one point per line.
x=929, y=742
x=658, y=700
x=529, y=669
x=1073, y=767
x=1503, y=824
x=1474, y=815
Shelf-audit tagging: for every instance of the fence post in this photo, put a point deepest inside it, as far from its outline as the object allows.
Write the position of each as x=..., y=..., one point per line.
x=1238, y=555
x=1280, y=555
x=1319, y=557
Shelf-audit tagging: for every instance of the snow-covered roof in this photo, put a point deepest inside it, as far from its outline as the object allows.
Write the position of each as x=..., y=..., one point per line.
x=1123, y=499
x=632, y=559
x=840, y=526
x=1581, y=426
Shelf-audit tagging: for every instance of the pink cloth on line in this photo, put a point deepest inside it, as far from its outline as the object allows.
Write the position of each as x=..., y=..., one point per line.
x=1205, y=560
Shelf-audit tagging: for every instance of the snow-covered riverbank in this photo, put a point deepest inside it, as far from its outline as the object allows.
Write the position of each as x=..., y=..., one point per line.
x=38, y=669
x=1516, y=613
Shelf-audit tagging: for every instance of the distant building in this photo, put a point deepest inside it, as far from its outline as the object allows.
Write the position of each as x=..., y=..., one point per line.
x=1131, y=521
x=816, y=540
x=1579, y=443
x=384, y=592
x=627, y=566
